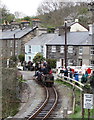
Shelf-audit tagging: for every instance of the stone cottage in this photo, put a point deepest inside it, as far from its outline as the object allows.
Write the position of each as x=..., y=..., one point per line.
x=12, y=41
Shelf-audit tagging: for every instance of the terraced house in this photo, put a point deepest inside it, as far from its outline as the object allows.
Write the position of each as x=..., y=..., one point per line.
x=80, y=47
x=12, y=40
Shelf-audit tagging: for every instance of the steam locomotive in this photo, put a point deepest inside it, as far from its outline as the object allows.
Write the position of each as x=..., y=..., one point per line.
x=46, y=79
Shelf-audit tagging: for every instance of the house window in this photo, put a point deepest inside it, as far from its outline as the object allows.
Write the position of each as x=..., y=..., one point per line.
x=53, y=48
x=42, y=49
x=92, y=63
x=80, y=50
x=11, y=53
x=29, y=50
x=62, y=49
x=70, y=49
x=29, y=58
x=70, y=62
x=16, y=53
x=92, y=50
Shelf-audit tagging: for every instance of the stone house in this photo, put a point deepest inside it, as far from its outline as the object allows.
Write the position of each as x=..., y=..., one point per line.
x=80, y=47
x=12, y=41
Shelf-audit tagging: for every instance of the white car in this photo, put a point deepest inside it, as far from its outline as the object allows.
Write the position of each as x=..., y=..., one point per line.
x=20, y=67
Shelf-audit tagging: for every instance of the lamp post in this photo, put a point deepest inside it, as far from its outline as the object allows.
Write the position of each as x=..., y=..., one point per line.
x=65, y=48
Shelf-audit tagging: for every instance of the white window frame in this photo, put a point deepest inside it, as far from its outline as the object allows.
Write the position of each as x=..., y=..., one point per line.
x=61, y=49
x=29, y=58
x=16, y=53
x=70, y=49
x=80, y=50
x=70, y=62
x=91, y=63
x=11, y=53
x=53, y=49
x=92, y=51
x=41, y=48
x=29, y=48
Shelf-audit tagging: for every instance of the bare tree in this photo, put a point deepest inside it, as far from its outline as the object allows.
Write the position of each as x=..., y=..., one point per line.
x=53, y=12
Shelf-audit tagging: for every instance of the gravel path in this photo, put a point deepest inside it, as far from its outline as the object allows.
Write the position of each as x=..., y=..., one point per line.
x=31, y=96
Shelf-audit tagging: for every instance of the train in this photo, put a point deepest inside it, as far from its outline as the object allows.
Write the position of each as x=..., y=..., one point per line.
x=46, y=79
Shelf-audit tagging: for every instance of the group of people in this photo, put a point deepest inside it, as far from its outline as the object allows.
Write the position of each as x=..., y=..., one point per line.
x=75, y=75
x=28, y=66
x=42, y=68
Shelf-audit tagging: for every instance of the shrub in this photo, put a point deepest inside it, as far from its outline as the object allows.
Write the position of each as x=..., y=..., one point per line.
x=52, y=62
x=21, y=57
x=38, y=58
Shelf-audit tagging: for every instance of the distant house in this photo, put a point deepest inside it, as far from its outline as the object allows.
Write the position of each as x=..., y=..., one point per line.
x=80, y=48
x=37, y=45
x=12, y=41
x=36, y=22
x=76, y=26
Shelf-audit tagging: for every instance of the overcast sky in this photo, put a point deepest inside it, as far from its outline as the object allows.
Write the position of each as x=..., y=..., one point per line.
x=27, y=7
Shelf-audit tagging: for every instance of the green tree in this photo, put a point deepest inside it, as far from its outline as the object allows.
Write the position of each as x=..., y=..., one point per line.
x=6, y=15
x=21, y=58
x=27, y=18
x=52, y=62
x=38, y=58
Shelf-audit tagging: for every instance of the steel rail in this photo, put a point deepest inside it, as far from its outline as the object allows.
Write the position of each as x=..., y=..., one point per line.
x=54, y=105
x=45, y=104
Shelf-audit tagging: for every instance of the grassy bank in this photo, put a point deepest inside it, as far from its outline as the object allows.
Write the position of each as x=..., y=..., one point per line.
x=78, y=103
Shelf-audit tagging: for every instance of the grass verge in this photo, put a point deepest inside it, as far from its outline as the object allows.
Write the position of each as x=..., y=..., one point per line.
x=78, y=108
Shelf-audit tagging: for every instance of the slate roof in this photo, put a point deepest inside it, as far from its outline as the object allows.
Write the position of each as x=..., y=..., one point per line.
x=8, y=34
x=41, y=39
x=73, y=38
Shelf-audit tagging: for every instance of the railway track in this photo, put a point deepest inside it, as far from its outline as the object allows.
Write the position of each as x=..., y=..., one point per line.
x=44, y=111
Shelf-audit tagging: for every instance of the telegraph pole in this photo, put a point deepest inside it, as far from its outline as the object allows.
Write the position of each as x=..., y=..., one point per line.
x=65, y=49
x=14, y=44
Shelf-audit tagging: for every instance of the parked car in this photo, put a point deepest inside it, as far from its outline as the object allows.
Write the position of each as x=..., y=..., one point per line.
x=19, y=67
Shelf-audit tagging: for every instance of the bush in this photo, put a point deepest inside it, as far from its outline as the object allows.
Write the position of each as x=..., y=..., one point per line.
x=13, y=58
x=50, y=30
x=52, y=62
x=21, y=57
x=38, y=58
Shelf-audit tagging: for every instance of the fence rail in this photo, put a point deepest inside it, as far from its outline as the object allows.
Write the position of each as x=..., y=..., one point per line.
x=72, y=82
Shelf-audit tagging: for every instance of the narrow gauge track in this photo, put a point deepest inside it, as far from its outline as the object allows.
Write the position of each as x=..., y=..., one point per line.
x=48, y=106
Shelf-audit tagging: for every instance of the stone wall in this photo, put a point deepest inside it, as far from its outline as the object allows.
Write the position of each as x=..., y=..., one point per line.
x=10, y=92
x=57, y=55
x=0, y=78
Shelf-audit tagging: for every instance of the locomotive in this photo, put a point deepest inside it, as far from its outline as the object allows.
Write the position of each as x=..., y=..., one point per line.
x=48, y=80
x=45, y=79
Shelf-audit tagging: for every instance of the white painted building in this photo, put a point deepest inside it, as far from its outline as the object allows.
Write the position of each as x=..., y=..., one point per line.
x=37, y=45
x=77, y=27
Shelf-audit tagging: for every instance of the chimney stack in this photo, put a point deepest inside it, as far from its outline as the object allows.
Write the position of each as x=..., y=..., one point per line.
x=91, y=29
